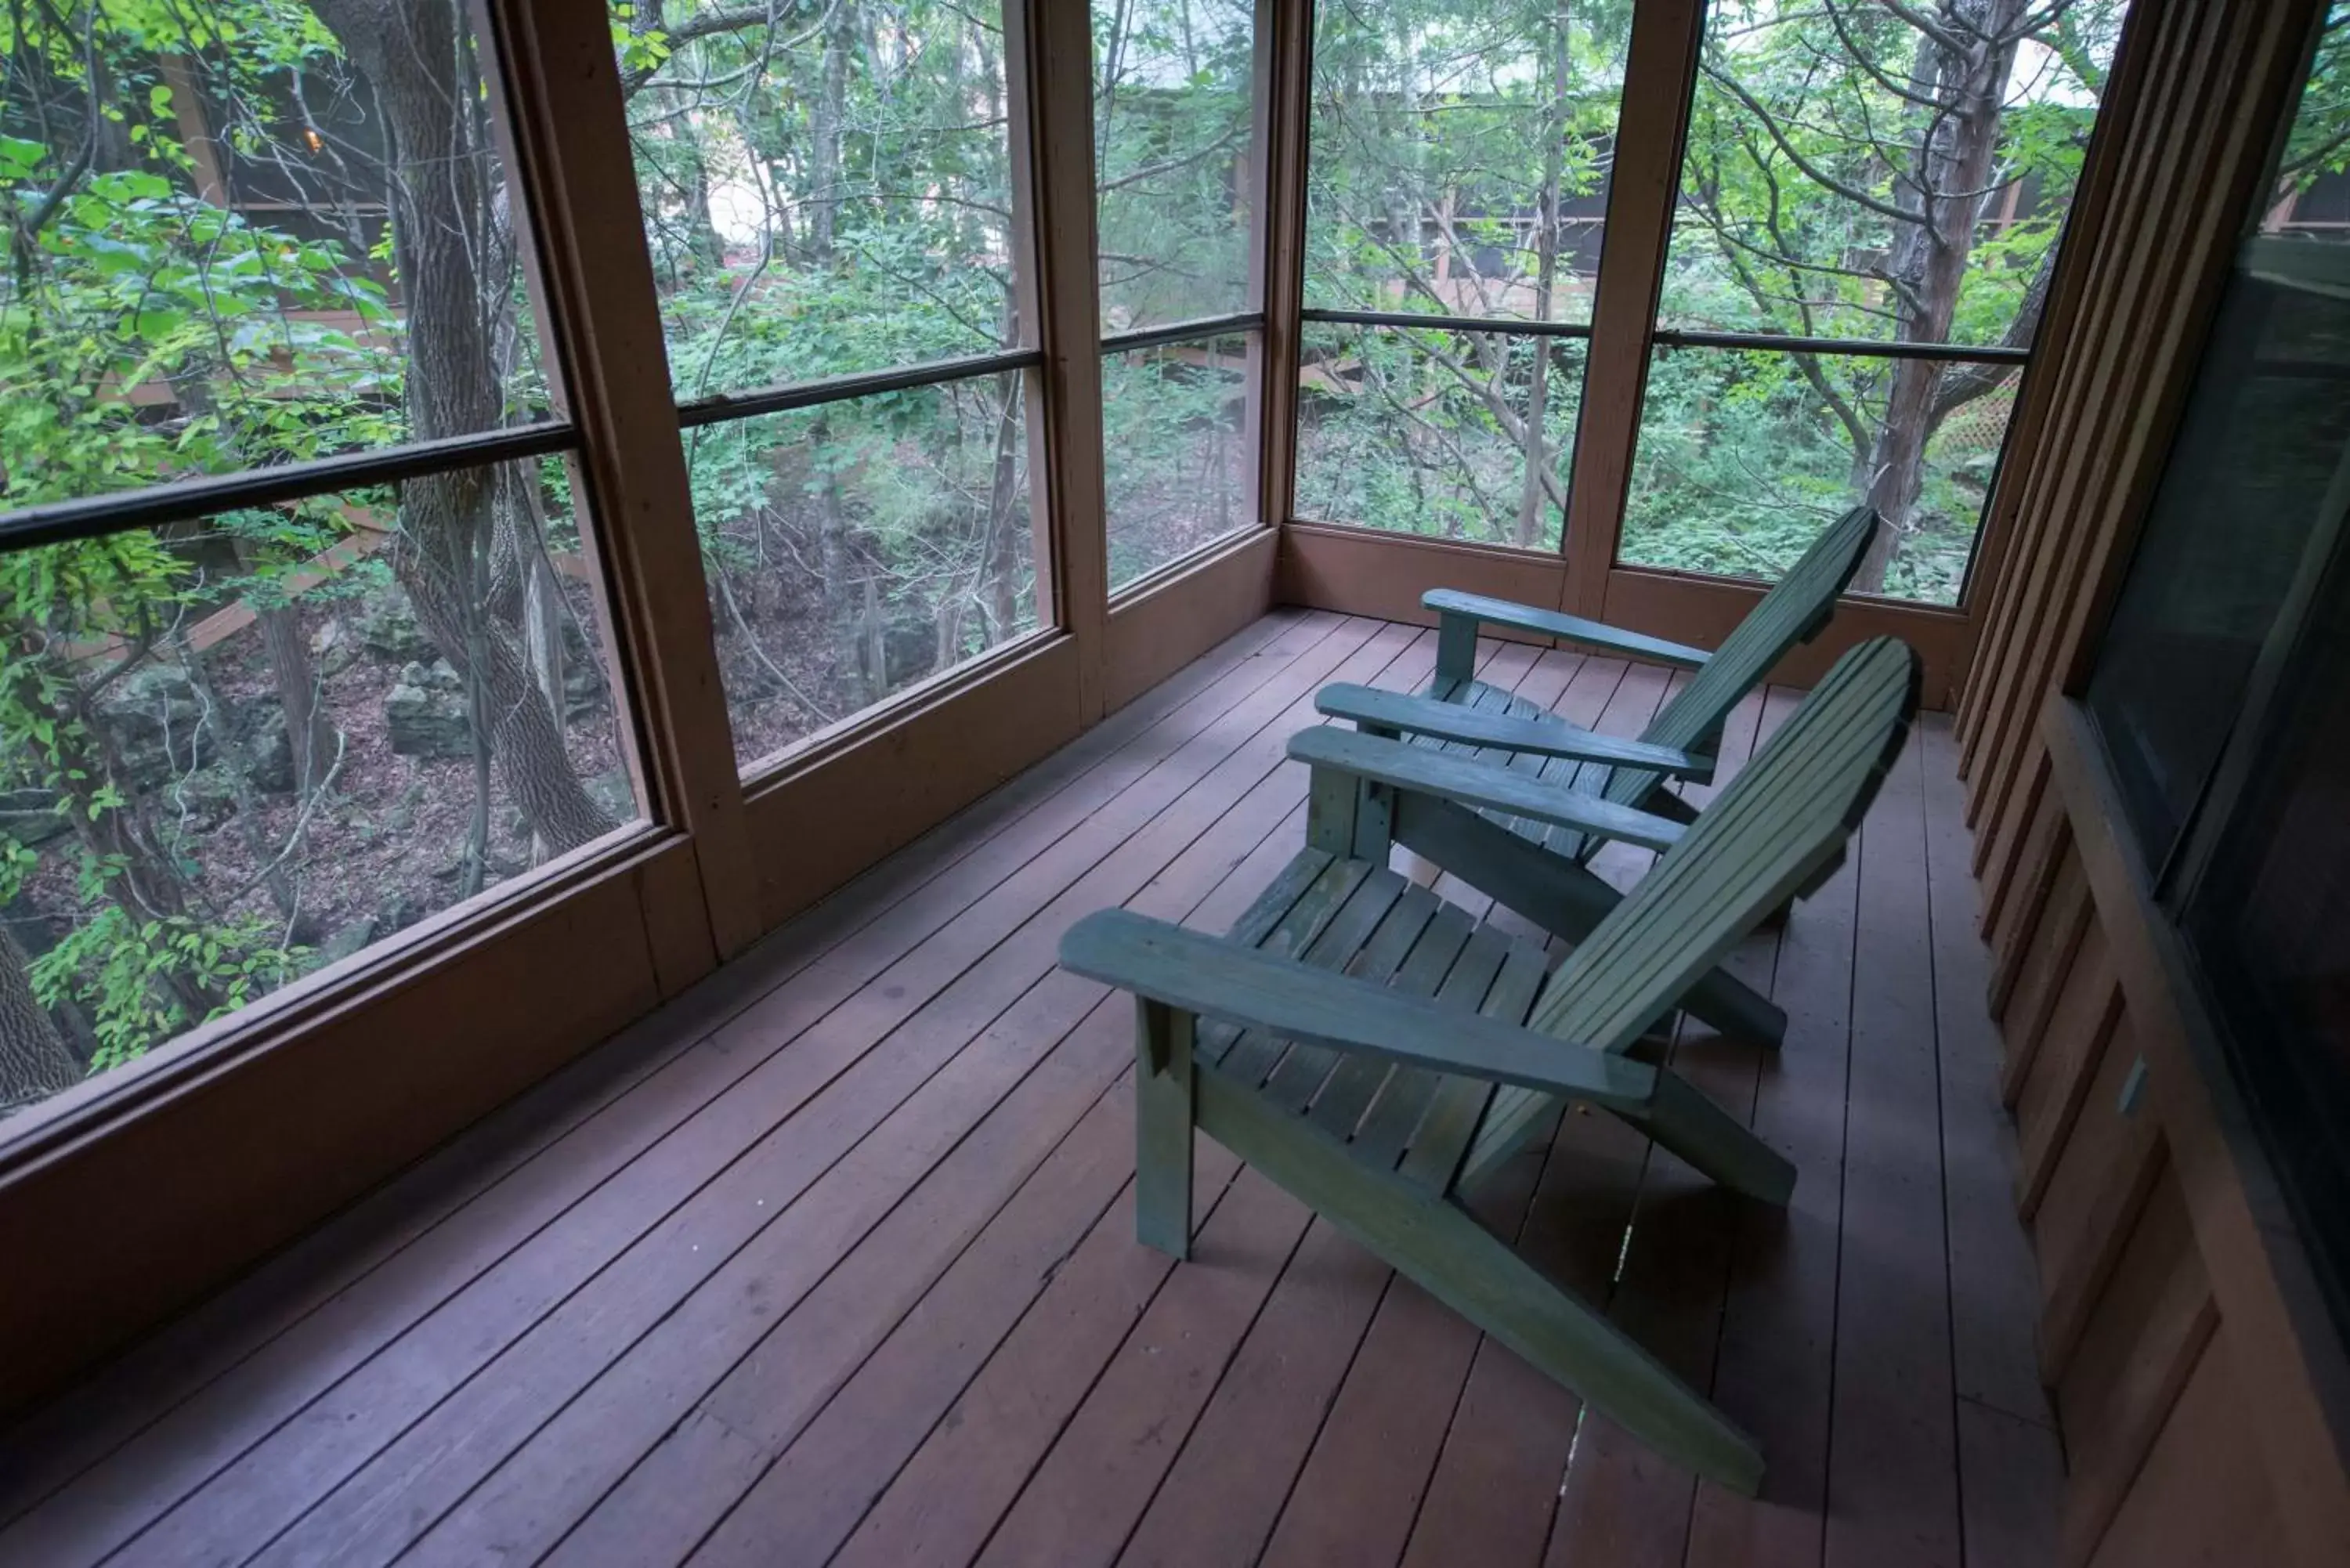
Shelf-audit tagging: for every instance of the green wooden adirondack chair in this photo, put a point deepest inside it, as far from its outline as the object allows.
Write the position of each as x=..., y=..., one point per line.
x=1536, y=865
x=1376, y=1051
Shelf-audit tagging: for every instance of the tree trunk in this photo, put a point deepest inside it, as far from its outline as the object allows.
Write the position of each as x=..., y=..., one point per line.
x=837, y=567
x=1945, y=186
x=418, y=60
x=110, y=812
x=308, y=728
x=35, y=1062
x=827, y=123
x=1005, y=534
x=230, y=753
x=1553, y=135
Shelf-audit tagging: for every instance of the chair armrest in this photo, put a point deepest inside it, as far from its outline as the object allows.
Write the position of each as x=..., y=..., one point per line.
x=1373, y=709
x=1480, y=785
x=1566, y=627
x=1218, y=978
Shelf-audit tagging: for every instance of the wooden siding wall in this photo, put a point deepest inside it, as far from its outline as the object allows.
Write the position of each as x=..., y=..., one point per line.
x=2198, y=1385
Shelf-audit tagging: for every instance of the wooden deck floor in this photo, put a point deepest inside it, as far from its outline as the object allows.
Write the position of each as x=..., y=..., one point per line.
x=833, y=1262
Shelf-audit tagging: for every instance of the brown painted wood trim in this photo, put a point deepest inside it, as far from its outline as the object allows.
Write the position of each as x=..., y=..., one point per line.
x=1659, y=76
x=569, y=130
x=818, y=821
x=243, y=1133
x=2286, y=1352
x=1170, y=621
x=2003, y=847
x=2060, y=326
x=818, y=749
x=2080, y=1031
x=1367, y=572
x=1281, y=116
x=2180, y=1322
x=1687, y=607
x=2044, y=845
x=2071, y=1294
x=2049, y=944
x=1048, y=60
x=2221, y=134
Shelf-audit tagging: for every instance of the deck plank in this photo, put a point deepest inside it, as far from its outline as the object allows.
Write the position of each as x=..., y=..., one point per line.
x=198, y=1438
x=373, y=1512
x=1118, y=1450
x=1892, y=1465
x=945, y=869
x=833, y=1259
x=1773, y=1370
x=1359, y=1495
x=930, y=1000
x=1619, y=1504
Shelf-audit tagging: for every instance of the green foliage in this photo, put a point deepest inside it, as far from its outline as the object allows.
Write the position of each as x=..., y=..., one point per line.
x=2319, y=141
x=146, y=333
x=1432, y=121
x=132, y=975
x=1173, y=418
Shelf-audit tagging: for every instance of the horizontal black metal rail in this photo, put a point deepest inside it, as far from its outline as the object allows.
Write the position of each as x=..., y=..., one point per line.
x=1514, y=326
x=95, y=516
x=1681, y=338
x=861, y=384
x=1183, y=332
x=1858, y=347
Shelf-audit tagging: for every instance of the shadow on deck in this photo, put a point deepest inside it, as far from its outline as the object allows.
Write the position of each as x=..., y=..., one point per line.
x=832, y=1260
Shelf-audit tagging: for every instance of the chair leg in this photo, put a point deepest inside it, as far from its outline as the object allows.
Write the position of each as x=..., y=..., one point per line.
x=1162, y=1127
x=1435, y=1243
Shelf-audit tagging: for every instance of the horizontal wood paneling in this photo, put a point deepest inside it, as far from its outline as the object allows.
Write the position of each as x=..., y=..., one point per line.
x=1383, y=575
x=2149, y=1328
x=2071, y=1049
x=2161, y=1240
x=1156, y=631
x=815, y=824
x=2041, y=960
x=1702, y=610
x=1360, y=571
x=247, y=1147
x=2201, y=1501
x=2098, y=1177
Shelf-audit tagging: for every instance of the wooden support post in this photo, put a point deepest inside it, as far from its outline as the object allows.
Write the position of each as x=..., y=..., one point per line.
x=1048, y=61
x=1283, y=90
x=558, y=92
x=1661, y=65
x=1162, y=1127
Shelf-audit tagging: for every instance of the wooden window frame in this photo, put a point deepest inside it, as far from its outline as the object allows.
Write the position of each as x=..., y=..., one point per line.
x=1345, y=567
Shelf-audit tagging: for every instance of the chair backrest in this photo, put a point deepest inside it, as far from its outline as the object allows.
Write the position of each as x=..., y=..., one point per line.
x=1794, y=611
x=1784, y=816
